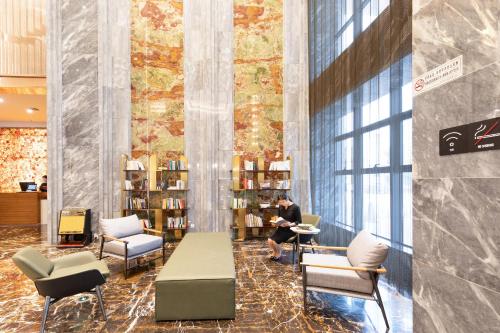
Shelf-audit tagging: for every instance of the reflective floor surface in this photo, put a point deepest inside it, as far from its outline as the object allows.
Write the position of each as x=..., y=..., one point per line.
x=268, y=298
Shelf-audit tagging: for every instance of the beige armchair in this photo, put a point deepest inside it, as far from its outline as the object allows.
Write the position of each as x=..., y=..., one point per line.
x=126, y=238
x=305, y=239
x=354, y=275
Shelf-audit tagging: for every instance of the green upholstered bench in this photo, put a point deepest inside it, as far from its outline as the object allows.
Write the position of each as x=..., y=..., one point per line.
x=198, y=280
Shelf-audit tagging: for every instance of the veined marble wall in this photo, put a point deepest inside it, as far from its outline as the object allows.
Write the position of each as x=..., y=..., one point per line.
x=157, y=78
x=23, y=152
x=88, y=98
x=258, y=76
x=456, y=199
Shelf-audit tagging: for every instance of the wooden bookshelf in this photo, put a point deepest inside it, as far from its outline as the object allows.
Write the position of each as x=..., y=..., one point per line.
x=254, y=196
x=152, y=184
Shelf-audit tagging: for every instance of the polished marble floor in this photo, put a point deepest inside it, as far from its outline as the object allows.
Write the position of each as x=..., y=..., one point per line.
x=268, y=298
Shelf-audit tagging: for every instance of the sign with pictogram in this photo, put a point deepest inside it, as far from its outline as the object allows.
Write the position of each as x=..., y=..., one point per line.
x=438, y=76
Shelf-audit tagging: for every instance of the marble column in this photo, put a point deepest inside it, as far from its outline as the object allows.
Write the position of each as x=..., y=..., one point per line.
x=208, y=111
x=456, y=199
x=88, y=104
x=296, y=99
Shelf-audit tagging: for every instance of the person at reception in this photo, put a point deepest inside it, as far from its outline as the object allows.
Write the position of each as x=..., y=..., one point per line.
x=43, y=185
x=288, y=216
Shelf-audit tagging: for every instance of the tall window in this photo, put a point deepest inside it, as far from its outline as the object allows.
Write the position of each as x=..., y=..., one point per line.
x=361, y=149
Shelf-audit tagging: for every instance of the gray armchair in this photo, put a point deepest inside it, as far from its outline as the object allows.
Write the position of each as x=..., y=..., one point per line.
x=126, y=238
x=353, y=275
x=66, y=276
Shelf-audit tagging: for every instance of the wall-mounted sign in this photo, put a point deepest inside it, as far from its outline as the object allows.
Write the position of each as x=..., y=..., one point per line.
x=479, y=136
x=438, y=76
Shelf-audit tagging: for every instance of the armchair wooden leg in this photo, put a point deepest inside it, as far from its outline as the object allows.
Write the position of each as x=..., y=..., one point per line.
x=102, y=246
x=45, y=313
x=126, y=262
x=304, y=287
x=101, y=304
x=379, y=299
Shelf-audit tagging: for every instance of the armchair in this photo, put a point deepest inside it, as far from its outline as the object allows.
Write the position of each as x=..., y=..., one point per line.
x=304, y=239
x=126, y=238
x=66, y=276
x=354, y=275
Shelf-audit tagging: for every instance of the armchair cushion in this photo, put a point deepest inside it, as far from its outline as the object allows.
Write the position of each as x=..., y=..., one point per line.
x=33, y=263
x=79, y=268
x=121, y=227
x=366, y=251
x=334, y=278
x=137, y=244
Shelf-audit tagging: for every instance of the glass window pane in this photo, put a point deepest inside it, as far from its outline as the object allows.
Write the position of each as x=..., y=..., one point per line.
x=347, y=36
x=377, y=204
x=376, y=148
x=345, y=115
x=366, y=17
x=407, y=142
x=407, y=209
x=382, y=5
x=343, y=154
x=344, y=191
x=406, y=90
x=376, y=104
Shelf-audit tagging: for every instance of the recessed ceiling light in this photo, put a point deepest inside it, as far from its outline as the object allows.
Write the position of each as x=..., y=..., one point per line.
x=1, y=100
x=31, y=110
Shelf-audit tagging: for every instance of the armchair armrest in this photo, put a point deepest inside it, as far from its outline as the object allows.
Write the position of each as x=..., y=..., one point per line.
x=154, y=231
x=380, y=270
x=114, y=239
x=322, y=247
x=68, y=285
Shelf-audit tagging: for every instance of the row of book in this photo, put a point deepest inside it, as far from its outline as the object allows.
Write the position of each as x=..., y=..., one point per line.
x=136, y=203
x=147, y=223
x=172, y=203
x=283, y=184
x=249, y=165
x=280, y=166
x=143, y=184
x=174, y=165
x=239, y=203
x=178, y=222
x=253, y=221
x=135, y=165
x=248, y=184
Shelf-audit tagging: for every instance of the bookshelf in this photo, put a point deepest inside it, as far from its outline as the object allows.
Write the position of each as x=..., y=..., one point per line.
x=255, y=186
x=157, y=193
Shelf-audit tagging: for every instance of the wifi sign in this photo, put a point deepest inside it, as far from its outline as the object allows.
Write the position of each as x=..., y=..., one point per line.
x=451, y=138
x=475, y=137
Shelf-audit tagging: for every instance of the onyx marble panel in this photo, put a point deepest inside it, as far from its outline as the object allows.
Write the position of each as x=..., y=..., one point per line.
x=444, y=30
x=471, y=98
x=456, y=226
x=443, y=303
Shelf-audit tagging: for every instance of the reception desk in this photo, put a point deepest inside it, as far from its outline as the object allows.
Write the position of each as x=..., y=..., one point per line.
x=20, y=208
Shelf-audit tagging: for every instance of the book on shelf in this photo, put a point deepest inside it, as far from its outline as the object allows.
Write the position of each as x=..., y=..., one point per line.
x=128, y=185
x=249, y=166
x=135, y=165
x=283, y=184
x=178, y=222
x=253, y=221
x=147, y=223
x=239, y=203
x=172, y=203
x=174, y=165
x=248, y=184
x=280, y=166
x=265, y=185
x=136, y=203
